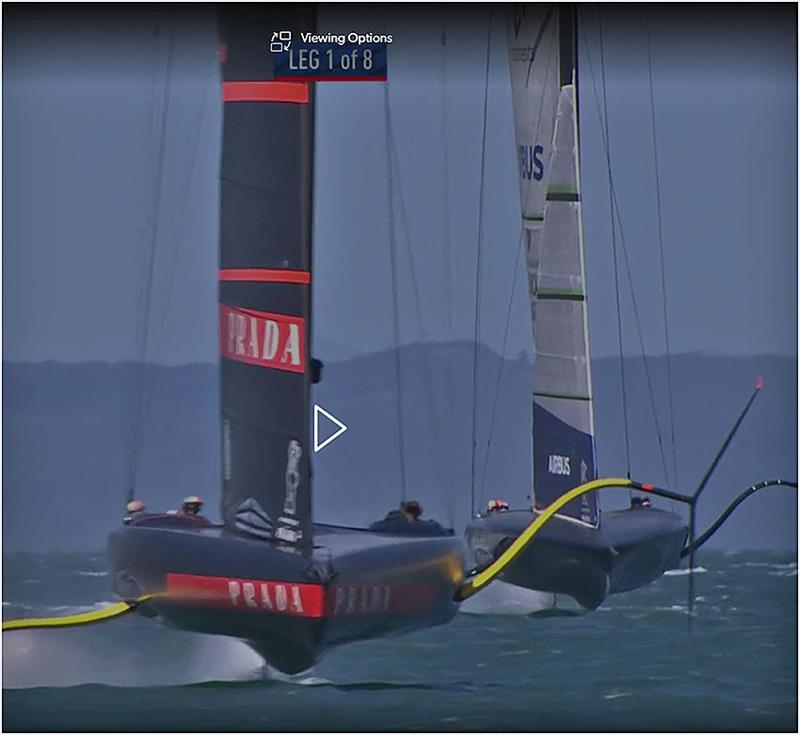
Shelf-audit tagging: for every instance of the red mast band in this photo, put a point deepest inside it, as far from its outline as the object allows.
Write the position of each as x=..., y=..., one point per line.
x=296, y=92
x=265, y=275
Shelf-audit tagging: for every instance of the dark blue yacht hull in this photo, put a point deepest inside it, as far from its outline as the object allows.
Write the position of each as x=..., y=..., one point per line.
x=629, y=549
x=289, y=607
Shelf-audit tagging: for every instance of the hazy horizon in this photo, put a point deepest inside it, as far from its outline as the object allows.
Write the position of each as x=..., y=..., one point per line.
x=82, y=94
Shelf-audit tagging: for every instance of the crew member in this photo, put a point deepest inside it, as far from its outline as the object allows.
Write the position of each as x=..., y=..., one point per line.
x=497, y=506
x=412, y=510
x=191, y=506
x=409, y=511
x=397, y=515
x=406, y=520
x=133, y=509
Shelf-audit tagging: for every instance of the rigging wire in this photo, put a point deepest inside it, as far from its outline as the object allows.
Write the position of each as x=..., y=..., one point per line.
x=449, y=388
x=171, y=269
x=637, y=318
x=395, y=170
x=614, y=254
x=520, y=254
x=428, y=368
x=478, y=270
x=169, y=266
x=446, y=254
x=395, y=304
x=661, y=253
x=141, y=390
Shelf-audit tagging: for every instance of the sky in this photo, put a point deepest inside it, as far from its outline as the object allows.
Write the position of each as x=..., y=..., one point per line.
x=82, y=100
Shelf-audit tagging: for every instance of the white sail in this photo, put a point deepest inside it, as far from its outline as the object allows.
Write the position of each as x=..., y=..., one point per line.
x=533, y=59
x=544, y=99
x=532, y=32
x=562, y=400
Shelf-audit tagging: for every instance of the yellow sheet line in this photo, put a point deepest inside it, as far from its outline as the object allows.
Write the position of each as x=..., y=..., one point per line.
x=65, y=621
x=480, y=580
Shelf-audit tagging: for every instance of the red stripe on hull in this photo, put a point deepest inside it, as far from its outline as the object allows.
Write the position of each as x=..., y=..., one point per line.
x=383, y=599
x=264, y=275
x=301, y=599
x=264, y=339
x=294, y=92
x=257, y=595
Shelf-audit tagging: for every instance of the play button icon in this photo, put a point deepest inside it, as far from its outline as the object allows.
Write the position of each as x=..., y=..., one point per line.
x=341, y=428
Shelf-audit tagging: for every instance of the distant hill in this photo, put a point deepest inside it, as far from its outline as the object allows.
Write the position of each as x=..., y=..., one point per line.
x=67, y=439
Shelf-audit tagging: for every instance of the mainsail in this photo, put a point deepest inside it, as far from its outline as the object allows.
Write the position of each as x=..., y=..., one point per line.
x=543, y=79
x=265, y=277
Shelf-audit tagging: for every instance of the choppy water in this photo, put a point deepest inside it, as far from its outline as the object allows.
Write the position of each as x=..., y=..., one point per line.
x=631, y=665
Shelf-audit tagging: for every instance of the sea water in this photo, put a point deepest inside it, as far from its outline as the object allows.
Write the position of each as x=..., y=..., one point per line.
x=630, y=665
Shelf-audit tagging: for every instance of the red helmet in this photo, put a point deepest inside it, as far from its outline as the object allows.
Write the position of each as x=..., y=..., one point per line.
x=496, y=505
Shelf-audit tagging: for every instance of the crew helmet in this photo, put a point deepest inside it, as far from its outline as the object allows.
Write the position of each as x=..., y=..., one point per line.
x=192, y=504
x=412, y=507
x=496, y=505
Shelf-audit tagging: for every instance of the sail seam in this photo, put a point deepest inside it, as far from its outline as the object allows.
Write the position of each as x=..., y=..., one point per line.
x=562, y=396
x=555, y=294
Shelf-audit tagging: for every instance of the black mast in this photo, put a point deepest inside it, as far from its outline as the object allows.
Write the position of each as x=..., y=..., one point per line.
x=567, y=44
x=265, y=280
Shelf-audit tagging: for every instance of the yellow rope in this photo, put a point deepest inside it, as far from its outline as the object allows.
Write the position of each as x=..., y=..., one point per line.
x=65, y=621
x=480, y=580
